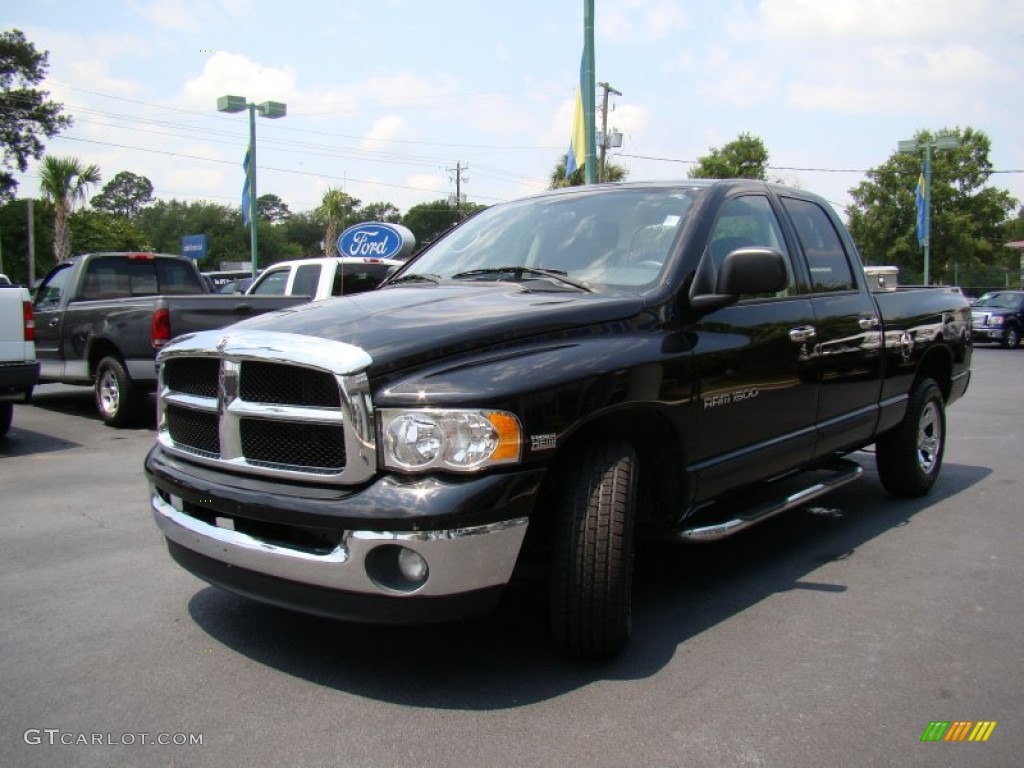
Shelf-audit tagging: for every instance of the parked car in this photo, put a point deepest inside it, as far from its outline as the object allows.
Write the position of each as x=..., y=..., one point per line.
x=235, y=286
x=19, y=369
x=101, y=317
x=543, y=384
x=998, y=316
x=323, y=277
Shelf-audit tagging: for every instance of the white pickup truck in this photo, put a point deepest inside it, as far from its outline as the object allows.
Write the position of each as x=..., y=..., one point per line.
x=323, y=277
x=19, y=369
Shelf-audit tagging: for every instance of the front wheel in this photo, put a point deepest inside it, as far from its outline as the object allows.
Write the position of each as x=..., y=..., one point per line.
x=6, y=417
x=909, y=456
x=1011, y=337
x=118, y=400
x=592, y=574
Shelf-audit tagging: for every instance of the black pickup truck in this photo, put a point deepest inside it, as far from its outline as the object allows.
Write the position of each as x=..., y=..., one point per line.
x=100, y=319
x=552, y=379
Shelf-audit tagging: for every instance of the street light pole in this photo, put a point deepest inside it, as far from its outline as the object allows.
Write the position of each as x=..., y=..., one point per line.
x=913, y=146
x=273, y=110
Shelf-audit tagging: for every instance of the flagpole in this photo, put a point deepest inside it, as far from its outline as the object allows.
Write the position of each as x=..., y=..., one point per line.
x=589, y=87
x=927, y=208
x=253, y=228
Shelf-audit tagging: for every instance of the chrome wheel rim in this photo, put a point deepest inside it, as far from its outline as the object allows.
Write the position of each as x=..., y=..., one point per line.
x=929, y=438
x=110, y=395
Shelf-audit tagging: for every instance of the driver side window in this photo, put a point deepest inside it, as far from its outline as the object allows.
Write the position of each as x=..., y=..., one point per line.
x=49, y=294
x=744, y=222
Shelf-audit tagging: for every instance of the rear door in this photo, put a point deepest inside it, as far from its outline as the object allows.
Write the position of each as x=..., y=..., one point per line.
x=847, y=346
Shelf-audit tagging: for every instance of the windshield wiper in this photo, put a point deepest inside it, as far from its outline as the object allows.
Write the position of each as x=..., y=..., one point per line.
x=414, y=277
x=519, y=271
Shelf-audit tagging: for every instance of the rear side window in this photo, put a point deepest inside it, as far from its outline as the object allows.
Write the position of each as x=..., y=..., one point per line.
x=307, y=277
x=358, y=278
x=826, y=256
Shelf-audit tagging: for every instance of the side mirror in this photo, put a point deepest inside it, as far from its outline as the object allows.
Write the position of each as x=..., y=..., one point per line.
x=743, y=271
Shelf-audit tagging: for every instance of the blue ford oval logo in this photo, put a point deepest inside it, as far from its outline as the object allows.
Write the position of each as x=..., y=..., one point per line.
x=376, y=240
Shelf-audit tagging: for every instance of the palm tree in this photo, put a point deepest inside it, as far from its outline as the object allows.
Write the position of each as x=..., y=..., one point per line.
x=612, y=172
x=65, y=181
x=335, y=209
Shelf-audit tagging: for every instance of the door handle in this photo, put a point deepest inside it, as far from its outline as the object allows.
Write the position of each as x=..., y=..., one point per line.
x=54, y=322
x=802, y=334
x=868, y=323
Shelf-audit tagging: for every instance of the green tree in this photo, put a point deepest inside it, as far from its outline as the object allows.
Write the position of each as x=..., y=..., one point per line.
x=64, y=181
x=272, y=208
x=612, y=172
x=427, y=221
x=125, y=195
x=967, y=216
x=336, y=211
x=14, y=234
x=381, y=211
x=167, y=221
x=93, y=231
x=26, y=115
x=304, y=232
x=743, y=158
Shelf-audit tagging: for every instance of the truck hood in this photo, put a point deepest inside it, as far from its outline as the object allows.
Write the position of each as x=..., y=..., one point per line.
x=405, y=325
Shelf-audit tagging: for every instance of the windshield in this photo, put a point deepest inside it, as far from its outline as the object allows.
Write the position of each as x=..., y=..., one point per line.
x=608, y=238
x=999, y=300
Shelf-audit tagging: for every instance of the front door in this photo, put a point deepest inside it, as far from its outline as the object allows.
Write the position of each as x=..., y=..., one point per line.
x=754, y=360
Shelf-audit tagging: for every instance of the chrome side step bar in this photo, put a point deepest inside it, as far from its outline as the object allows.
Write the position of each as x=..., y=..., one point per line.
x=846, y=472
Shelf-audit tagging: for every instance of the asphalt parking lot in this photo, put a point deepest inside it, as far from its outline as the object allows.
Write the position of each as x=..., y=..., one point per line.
x=830, y=636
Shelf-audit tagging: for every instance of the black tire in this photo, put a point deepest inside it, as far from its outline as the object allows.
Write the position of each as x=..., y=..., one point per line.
x=1011, y=337
x=6, y=417
x=118, y=400
x=592, y=569
x=909, y=456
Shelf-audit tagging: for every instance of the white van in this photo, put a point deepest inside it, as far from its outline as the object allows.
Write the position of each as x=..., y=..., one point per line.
x=321, y=278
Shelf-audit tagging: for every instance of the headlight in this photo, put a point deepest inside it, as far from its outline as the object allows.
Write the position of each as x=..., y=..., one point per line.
x=996, y=320
x=416, y=440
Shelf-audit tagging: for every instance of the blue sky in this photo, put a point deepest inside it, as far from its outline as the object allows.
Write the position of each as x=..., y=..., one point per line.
x=384, y=96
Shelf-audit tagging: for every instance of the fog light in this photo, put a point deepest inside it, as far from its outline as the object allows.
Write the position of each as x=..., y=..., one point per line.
x=412, y=565
x=397, y=568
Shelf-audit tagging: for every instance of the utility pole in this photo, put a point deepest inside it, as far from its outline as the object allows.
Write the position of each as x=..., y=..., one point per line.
x=31, y=245
x=604, y=126
x=458, y=170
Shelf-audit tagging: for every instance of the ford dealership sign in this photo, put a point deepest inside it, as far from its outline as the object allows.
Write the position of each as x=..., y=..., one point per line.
x=376, y=240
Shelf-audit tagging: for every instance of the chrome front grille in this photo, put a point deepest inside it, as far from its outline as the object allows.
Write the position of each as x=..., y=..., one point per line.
x=268, y=403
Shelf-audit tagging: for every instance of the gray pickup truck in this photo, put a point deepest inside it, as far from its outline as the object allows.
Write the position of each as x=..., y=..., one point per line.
x=102, y=317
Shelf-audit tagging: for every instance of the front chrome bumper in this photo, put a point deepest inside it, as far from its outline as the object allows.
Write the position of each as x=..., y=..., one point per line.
x=459, y=560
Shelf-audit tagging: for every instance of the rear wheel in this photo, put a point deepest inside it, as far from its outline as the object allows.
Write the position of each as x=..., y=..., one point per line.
x=909, y=457
x=118, y=400
x=592, y=575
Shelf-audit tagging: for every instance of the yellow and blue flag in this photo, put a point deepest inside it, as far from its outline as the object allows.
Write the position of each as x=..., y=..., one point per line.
x=921, y=199
x=577, y=156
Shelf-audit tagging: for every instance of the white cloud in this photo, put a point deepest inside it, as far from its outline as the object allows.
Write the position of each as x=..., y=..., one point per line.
x=638, y=21
x=191, y=16
x=233, y=73
x=384, y=132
